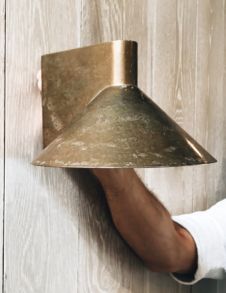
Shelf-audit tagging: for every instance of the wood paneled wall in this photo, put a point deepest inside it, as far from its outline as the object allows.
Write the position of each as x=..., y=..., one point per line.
x=58, y=235
x=2, y=101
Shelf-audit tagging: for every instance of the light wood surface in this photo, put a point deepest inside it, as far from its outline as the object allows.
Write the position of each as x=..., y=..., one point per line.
x=41, y=208
x=2, y=96
x=58, y=233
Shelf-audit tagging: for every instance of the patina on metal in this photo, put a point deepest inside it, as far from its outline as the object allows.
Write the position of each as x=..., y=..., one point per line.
x=94, y=115
x=71, y=79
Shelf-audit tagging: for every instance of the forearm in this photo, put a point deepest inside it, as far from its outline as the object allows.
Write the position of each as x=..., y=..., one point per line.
x=144, y=222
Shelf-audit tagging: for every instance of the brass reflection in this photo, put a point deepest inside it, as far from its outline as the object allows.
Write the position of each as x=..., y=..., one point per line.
x=94, y=115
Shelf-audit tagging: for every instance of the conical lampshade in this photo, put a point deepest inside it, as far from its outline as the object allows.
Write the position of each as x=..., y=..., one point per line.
x=94, y=115
x=122, y=127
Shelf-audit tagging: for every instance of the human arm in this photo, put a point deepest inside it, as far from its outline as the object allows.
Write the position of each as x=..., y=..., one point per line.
x=145, y=223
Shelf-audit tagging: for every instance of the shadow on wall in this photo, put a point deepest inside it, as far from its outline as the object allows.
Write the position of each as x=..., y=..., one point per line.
x=221, y=185
x=98, y=232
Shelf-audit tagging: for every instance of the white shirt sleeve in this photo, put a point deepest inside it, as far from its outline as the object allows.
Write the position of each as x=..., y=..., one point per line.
x=208, y=229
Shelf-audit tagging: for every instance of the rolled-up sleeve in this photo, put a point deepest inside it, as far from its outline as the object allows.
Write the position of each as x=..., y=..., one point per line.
x=208, y=229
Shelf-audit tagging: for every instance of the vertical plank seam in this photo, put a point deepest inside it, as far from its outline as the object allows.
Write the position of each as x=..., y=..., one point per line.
x=123, y=20
x=78, y=24
x=195, y=97
x=195, y=91
x=221, y=288
x=4, y=152
x=80, y=28
x=153, y=48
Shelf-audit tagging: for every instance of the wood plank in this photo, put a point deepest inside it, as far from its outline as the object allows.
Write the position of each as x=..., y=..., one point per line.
x=210, y=108
x=41, y=212
x=216, y=187
x=209, y=182
x=172, y=88
x=2, y=117
x=190, y=102
x=171, y=80
x=101, y=21
x=222, y=284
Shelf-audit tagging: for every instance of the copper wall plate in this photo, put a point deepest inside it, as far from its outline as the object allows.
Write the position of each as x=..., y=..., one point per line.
x=94, y=115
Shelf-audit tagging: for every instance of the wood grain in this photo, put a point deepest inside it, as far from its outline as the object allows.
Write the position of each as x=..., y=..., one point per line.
x=208, y=183
x=210, y=99
x=59, y=236
x=41, y=223
x=187, y=93
x=167, y=29
x=222, y=284
x=2, y=118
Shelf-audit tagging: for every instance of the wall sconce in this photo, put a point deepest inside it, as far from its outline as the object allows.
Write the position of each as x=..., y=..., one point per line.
x=94, y=115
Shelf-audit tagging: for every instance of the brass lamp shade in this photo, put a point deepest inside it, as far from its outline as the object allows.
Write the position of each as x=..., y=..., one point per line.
x=94, y=115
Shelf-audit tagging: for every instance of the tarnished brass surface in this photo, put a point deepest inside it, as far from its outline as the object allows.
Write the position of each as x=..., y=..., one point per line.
x=122, y=127
x=70, y=79
x=95, y=116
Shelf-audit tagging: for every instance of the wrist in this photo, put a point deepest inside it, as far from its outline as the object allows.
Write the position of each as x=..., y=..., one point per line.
x=188, y=263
